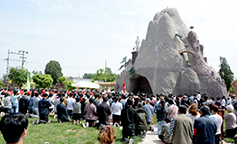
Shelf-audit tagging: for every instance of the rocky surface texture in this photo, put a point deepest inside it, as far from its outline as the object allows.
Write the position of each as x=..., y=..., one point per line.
x=170, y=61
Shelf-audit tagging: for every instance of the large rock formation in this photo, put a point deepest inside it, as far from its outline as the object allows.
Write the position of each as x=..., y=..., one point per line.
x=170, y=61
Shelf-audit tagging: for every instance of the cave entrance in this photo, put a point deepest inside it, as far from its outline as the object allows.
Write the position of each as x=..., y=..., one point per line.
x=140, y=84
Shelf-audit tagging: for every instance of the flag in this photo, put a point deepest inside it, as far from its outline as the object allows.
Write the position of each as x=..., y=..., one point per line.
x=28, y=83
x=124, y=84
x=124, y=59
x=121, y=67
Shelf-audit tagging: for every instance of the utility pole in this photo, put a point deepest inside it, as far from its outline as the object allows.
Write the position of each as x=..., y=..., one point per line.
x=22, y=52
x=19, y=53
x=105, y=65
x=8, y=59
x=105, y=69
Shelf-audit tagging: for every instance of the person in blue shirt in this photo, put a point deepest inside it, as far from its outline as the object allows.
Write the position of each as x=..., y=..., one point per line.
x=149, y=109
x=43, y=105
x=204, y=128
x=15, y=101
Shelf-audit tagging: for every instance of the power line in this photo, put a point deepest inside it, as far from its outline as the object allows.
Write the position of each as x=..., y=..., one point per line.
x=22, y=52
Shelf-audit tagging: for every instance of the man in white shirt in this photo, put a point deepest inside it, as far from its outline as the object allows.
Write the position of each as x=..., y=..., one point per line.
x=69, y=103
x=198, y=96
x=218, y=119
x=116, y=111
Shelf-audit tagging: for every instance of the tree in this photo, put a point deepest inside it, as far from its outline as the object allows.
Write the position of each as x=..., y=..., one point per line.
x=36, y=72
x=226, y=73
x=54, y=69
x=100, y=75
x=64, y=80
x=2, y=84
x=18, y=76
x=108, y=70
x=88, y=76
x=42, y=80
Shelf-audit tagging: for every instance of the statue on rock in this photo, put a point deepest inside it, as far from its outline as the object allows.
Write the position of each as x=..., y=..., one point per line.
x=137, y=42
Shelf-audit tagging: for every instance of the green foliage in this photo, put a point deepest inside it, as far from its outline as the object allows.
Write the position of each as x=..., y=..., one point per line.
x=36, y=72
x=108, y=70
x=54, y=69
x=64, y=80
x=88, y=76
x=226, y=73
x=18, y=75
x=68, y=84
x=42, y=80
x=231, y=90
x=2, y=84
x=100, y=75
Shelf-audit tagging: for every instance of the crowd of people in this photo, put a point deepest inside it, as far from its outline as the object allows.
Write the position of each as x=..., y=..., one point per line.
x=181, y=119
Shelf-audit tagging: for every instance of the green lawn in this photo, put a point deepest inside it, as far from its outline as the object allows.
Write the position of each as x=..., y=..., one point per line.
x=64, y=133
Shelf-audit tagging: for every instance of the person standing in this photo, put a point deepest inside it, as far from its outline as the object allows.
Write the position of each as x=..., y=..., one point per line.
x=7, y=103
x=193, y=112
x=129, y=121
x=142, y=121
x=204, y=128
x=230, y=122
x=116, y=111
x=76, y=111
x=181, y=127
x=223, y=102
x=69, y=103
x=104, y=112
x=161, y=115
x=90, y=111
x=15, y=101
x=218, y=119
x=172, y=109
x=148, y=108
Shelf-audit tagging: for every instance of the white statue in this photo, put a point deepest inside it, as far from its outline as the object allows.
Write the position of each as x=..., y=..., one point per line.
x=137, y=42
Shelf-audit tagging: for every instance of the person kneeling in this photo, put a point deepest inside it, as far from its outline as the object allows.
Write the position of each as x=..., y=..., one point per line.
x=62, y=112
x=14, y=128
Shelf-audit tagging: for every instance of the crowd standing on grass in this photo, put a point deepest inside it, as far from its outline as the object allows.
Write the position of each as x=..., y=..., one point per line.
x=181, y=119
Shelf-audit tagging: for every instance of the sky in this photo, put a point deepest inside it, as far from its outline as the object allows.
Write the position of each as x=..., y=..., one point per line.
x=81, y=35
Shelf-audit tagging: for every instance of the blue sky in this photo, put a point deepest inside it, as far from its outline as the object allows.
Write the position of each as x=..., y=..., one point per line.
x=81, y=35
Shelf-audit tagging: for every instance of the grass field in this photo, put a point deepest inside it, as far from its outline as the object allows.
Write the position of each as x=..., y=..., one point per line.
x=64, y=133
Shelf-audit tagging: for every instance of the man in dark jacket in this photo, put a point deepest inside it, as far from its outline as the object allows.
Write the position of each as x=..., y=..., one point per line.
x=23, y=104
x=103, y=111
x=204, y=128
x=129, y=121
x=62, y=111
x=142, y=121
x=44, y=105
